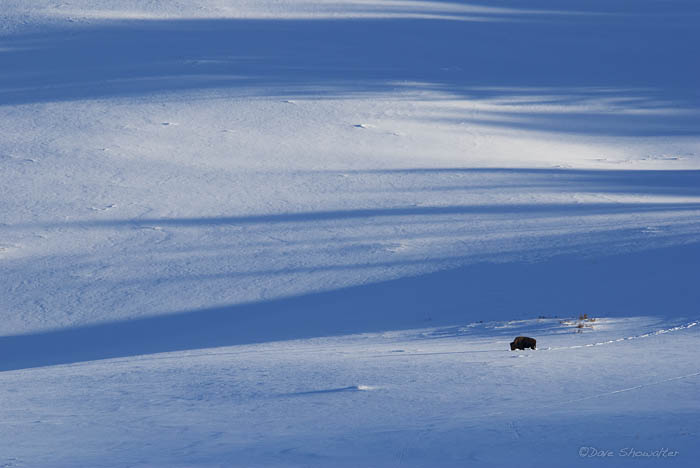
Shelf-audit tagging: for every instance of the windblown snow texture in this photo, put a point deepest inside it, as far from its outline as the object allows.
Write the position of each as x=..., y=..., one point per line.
x=290, y=233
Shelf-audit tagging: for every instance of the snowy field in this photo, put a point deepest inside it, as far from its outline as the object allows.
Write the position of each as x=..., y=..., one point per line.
x=289, y=233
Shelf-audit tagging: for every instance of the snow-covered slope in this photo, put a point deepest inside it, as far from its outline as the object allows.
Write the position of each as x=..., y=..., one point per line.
x=280, y=194
x=451, y=397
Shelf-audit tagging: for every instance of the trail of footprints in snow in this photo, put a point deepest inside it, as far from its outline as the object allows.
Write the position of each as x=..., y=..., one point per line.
x=634, y=337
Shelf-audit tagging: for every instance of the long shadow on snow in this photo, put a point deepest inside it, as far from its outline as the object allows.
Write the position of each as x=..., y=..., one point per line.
x=642, y=60
x=644, y=182
x=659, y=282
x=541, y=210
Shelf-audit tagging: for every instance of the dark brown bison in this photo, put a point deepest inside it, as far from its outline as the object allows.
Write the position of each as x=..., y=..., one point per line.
x=523, y=342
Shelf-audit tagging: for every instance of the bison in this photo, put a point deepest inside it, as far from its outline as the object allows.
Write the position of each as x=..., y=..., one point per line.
x=523, y=342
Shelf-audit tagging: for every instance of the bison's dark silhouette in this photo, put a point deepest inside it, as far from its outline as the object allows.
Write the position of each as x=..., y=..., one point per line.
x=523, y=342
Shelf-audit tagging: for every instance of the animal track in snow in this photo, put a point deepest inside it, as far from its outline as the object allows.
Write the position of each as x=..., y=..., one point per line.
x=633, y=337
